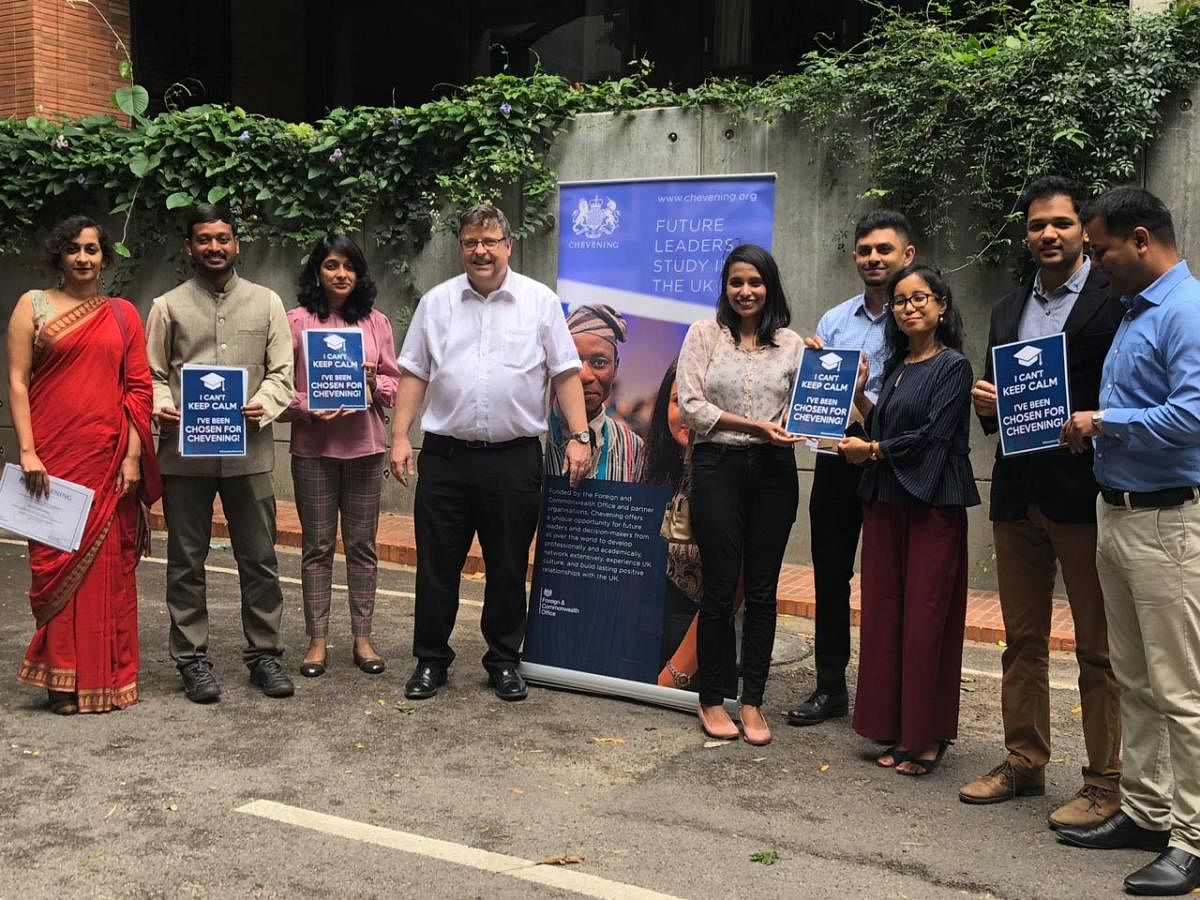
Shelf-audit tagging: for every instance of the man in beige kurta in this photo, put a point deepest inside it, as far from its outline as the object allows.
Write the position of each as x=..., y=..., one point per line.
x=218, y=318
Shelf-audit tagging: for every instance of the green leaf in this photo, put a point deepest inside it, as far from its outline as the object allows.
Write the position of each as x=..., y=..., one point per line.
x=125, y=68
x=139, y=164
x=264, y=194
x=132, y=99
x=121, y=249
x=179, y=199
x=217, y=194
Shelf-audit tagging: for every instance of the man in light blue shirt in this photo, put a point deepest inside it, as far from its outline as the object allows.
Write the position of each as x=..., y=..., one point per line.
x=882, y=247
x=1147, y=462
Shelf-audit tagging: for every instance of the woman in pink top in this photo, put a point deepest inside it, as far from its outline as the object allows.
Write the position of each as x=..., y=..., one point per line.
x=338, y=455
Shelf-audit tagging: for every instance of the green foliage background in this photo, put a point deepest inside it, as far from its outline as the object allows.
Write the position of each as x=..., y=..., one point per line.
x=952, y=114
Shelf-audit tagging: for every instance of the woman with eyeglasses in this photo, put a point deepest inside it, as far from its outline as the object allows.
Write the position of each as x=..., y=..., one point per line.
x=735, y=377
x=917, y=483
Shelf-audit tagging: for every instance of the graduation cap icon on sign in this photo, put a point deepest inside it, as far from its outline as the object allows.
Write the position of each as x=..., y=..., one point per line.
x=830, y=361
x=1028, y=356
x=335, y=342
x=213, y=381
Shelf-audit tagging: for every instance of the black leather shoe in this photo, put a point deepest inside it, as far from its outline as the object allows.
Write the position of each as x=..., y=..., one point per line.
x=372, y=666
x=820, y=706
x=425, y=681
x=508, y=683
x=199, y=683
x=1174, y=872
x=268, y=676
x=1117, y=832
x=313, y=669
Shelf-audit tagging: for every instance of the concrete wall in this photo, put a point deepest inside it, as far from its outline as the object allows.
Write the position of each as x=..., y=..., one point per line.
x=816, y=207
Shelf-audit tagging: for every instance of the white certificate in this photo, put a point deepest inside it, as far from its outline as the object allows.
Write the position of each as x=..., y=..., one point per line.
x=57, y=520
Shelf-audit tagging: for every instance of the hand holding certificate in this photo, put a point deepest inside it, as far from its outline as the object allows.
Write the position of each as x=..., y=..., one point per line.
x=214, y=411
x=823, y=394
x=57, y=519
x=335, y=369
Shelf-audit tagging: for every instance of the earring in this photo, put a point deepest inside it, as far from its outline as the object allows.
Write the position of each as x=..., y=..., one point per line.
x=940, y=318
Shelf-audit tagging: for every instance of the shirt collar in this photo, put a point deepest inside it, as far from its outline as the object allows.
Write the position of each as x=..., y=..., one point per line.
x=501, y=293
x=1073, y=285
x=1161, y=288
x=860, y=309
x=230, y=285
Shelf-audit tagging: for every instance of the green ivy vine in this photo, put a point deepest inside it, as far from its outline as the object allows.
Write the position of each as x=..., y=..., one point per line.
x=949, y=110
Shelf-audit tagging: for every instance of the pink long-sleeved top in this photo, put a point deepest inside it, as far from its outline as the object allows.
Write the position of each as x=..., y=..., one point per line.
x=362, y=433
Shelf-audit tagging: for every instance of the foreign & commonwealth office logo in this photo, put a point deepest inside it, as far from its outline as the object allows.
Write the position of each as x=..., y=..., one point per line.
x=596, y=218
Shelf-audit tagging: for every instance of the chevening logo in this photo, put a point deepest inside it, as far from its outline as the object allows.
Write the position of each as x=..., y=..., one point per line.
x=596, y=218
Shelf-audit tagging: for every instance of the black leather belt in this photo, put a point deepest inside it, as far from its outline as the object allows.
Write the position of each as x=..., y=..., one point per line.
x=442, y=442
x=1151, y=499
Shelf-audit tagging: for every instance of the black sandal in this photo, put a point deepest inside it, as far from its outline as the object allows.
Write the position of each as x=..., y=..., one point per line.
x=928, y=766
x=63, y=703
x=898, y=756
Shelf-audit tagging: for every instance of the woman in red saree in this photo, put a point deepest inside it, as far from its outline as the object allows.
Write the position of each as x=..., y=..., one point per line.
x=81, y=398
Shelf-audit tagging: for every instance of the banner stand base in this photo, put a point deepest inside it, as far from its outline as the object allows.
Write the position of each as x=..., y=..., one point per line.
x=622, y=688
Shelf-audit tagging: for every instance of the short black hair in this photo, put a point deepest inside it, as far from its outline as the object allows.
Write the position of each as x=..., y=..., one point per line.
x=312, y=296
x=775, y=314
x=883, y=218
x=949, y=329
x=1052, y=186
x=1126, y=208
x=63, y=234
x=209, y=212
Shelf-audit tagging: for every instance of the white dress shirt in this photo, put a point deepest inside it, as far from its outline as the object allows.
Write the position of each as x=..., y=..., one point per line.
x=488, y=360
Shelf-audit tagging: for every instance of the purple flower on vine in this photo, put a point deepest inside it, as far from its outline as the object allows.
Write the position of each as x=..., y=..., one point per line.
x=395, y=120
x=244, y=136
x=506, y=107
x=336, y=154
x=61, y=142
x=80, y=178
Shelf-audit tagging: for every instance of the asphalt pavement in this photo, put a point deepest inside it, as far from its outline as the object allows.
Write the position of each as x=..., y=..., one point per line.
x=348, y=790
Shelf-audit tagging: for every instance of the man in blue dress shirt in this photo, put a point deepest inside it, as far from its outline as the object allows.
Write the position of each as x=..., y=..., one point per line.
x=1147, y=463
x=882, y=247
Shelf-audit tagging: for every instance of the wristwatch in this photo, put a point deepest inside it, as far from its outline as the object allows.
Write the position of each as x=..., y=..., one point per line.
x=584, y=437
x=1098, y=419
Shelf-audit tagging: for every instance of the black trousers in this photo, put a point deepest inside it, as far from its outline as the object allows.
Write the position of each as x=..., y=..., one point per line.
x=494, y=492
x=743, y=506
x=835, y=520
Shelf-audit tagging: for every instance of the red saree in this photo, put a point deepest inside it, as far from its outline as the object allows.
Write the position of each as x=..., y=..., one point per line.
x=90, y=380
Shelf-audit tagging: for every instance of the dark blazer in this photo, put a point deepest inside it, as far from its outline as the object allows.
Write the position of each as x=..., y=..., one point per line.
x=1061, y=483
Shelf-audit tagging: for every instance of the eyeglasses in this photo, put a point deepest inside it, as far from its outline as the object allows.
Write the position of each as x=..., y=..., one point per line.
x=916, y=301
x=469, y=244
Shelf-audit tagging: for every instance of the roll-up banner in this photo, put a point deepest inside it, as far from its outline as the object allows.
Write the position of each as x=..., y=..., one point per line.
x=612, y=608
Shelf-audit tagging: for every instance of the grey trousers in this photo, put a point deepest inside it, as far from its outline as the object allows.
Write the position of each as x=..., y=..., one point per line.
x=249, y=505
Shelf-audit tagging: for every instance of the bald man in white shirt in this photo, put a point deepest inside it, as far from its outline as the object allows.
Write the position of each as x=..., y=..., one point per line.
x=484, y=346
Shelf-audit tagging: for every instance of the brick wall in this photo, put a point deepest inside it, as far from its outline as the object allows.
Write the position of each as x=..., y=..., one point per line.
x=60, y=57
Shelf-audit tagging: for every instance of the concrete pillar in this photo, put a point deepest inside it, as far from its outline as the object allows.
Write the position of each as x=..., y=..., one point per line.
x=57, y=57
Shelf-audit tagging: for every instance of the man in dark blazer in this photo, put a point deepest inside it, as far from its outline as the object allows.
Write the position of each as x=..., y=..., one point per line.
x=1043, y=510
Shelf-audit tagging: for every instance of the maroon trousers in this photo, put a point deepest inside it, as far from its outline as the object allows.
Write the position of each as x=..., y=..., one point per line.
x=914, y=606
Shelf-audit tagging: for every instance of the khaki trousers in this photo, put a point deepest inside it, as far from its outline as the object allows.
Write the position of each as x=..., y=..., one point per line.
x=1149, y=565
x=1028, y=552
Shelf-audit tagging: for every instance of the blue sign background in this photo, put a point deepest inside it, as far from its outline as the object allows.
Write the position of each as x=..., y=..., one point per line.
x=326, y=370
x=211, y=420
x=1032, y=394
x=596, y=603
x=821, y=397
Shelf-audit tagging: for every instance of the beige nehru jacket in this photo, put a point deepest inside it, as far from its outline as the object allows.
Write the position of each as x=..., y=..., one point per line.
x=244, y=325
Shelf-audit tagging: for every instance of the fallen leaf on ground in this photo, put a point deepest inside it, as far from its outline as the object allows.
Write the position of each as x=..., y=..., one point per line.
x=708, y=745
x=381, y=702
x=1001, y=643
x=765, y=857
x=359, y=745
x=518, y=792
x=1077, y=709
x=967, y=688
x=172, y=807
x=405, y=708
x=111, y=811
x=824, y=767
x=608, y=740
x=563, y=859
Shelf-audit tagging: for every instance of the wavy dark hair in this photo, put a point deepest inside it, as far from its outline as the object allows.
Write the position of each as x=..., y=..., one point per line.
x=775, y=314
x=664, y=456
x=312, y=296
x=950, y=326
x=64, y=233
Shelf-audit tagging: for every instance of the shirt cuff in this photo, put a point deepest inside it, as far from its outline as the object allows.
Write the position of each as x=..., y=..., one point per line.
x=410, y=365
x=1116, y=423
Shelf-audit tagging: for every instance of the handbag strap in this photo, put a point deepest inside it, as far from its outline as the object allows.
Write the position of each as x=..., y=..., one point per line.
x=685, y=483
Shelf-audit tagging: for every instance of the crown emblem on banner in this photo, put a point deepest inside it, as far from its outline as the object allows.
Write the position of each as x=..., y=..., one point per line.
x=596, y=218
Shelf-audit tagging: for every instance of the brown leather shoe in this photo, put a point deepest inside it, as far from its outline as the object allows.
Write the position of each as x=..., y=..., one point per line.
x=1091, y=806
x=1003, y=783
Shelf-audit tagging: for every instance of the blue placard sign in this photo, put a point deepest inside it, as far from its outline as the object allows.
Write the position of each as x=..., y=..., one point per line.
x=823, y=393
x=211, y=420
x=1032, y=395
x=333, y=362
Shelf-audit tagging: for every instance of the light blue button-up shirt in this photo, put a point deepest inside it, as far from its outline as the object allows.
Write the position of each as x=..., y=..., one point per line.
x=1150, y=390
x=1046, y=313
x=849, y=326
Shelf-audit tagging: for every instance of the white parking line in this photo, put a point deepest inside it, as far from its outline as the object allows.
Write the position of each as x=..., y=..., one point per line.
x=447, y=851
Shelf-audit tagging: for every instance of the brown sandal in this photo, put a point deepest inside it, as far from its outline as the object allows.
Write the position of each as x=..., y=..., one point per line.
x=63, y=703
